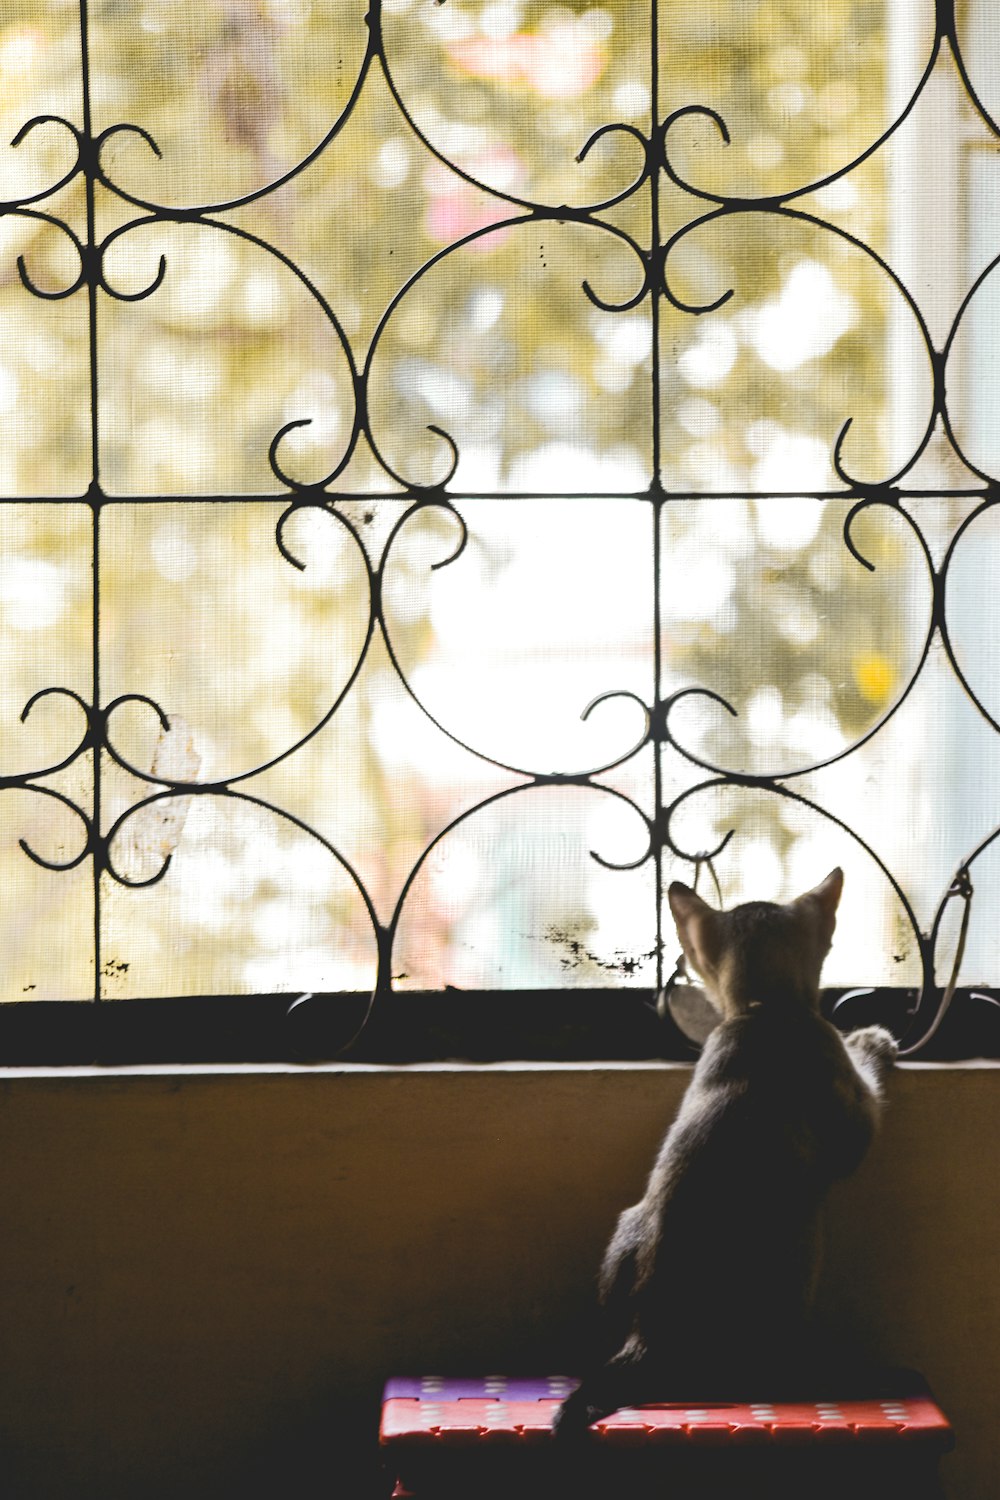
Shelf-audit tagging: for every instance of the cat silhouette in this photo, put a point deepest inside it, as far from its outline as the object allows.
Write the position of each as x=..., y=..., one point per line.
x=707, y=1285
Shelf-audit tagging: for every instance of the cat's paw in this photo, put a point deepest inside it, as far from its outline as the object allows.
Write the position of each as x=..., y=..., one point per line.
x=874, y=1044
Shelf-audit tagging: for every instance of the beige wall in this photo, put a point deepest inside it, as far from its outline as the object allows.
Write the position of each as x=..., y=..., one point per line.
x=205, y=1275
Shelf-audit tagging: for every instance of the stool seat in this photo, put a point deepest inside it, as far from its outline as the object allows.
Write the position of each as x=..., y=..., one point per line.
x=440, y=1434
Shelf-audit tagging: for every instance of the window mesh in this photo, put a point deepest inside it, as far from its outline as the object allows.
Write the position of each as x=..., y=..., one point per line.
x=466, y=466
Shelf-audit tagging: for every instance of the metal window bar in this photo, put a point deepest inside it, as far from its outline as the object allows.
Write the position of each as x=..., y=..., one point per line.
x=388, y=1023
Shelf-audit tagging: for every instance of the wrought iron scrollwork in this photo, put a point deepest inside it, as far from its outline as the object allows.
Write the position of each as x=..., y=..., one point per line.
x=649, y=158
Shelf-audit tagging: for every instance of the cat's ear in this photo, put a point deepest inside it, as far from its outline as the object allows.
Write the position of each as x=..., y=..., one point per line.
x=696, y=924
x=825, y=898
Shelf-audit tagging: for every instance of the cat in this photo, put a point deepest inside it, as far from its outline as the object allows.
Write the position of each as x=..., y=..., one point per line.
x=707, y=1284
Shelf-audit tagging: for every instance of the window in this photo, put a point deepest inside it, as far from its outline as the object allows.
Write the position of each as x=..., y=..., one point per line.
x=467, y=465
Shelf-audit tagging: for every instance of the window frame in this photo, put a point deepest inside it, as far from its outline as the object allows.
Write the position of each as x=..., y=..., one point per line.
x=406, y=1026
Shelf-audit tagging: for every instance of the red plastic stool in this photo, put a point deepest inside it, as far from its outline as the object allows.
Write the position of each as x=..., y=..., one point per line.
x=489, y=1436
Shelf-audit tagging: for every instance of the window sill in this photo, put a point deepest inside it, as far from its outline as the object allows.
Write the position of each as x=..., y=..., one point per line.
x=527, y=1067
x=481, y=1027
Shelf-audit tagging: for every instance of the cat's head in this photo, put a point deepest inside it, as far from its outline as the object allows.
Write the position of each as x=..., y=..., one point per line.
x=760, y=952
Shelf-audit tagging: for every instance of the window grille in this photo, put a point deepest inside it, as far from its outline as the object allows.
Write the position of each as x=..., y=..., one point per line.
x=468, y=465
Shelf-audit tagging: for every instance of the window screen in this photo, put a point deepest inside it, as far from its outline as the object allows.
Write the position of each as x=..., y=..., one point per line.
x=468, y=465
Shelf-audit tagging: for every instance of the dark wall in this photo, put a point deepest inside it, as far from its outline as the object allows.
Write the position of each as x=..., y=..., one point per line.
x=205, y=1276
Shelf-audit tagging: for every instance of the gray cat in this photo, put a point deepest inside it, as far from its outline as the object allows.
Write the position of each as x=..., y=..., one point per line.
x=708, y=1281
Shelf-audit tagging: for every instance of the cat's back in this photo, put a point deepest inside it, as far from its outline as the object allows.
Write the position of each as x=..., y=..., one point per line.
x=771, y=1053
x=758, y=1112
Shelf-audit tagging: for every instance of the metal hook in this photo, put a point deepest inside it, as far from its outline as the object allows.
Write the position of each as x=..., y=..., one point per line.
x=705, y=859
x=961, y=886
